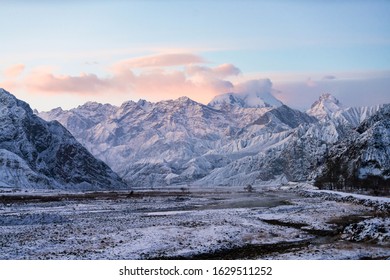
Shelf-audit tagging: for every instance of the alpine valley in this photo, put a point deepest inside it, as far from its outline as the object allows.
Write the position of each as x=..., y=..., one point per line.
x=244, y=177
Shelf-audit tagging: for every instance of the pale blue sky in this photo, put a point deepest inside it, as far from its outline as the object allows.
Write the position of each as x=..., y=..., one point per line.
x=264, y=39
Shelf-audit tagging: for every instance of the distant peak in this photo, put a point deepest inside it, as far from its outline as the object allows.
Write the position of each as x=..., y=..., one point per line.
x=246, y=100
x=328, y=97
x=249, y=94
x=142, y=102
x=90, y=104
x=326, y=105
x=146, y=105
x=184, y=99
x=128, y=104
x=57, y=109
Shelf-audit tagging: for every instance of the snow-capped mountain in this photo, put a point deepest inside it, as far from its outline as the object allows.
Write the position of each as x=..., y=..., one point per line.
x=328, y=107
x=251, y=94
x=39, y=154
x=245, y=100
x=325, y=106
x=361, y=161
x=228, y=142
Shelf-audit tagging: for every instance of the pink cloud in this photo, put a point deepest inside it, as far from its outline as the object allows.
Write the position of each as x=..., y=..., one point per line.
x=151, y=77
x=226, y=70
x=83, y=84
x=12, y=77
x=257, y=86
x=14, y=71
x=198, y=82
x=160, y=60
x=157, y=85
x=220, y=71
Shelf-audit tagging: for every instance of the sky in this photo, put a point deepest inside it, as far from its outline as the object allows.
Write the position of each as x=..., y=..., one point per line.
x=65, y=53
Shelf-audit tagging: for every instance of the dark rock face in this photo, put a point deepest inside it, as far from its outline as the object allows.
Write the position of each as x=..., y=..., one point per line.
x=50, y=154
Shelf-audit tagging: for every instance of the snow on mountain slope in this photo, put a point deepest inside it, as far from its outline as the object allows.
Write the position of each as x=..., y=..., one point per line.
x=329, y=108
x=39, y=154
x=14, y=172
x=362, y=161
x=356, y=115
x=306, y=152
x=78, y=121
x=290, y=155
x=293, y=154
x=325, y=106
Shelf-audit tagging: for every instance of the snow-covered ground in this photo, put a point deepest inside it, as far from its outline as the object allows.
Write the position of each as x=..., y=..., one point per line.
x=269, y=223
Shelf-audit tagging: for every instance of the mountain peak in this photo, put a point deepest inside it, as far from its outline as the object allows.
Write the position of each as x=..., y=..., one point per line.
x=90, y=104
x=185, y=99
x=325, y=106
x=6, y=97
x=12, y=105
x=328, y=97
x=246, y=100
x=249, y=94
x=146, y=105
x=95, y=106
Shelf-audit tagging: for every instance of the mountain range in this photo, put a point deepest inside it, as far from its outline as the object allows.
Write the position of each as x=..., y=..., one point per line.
x=237, y=139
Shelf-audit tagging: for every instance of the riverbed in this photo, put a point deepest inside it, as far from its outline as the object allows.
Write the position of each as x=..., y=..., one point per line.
x=190, y=223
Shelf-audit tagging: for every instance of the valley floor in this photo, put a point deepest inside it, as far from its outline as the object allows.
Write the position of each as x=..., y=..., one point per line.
x=195, y=223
